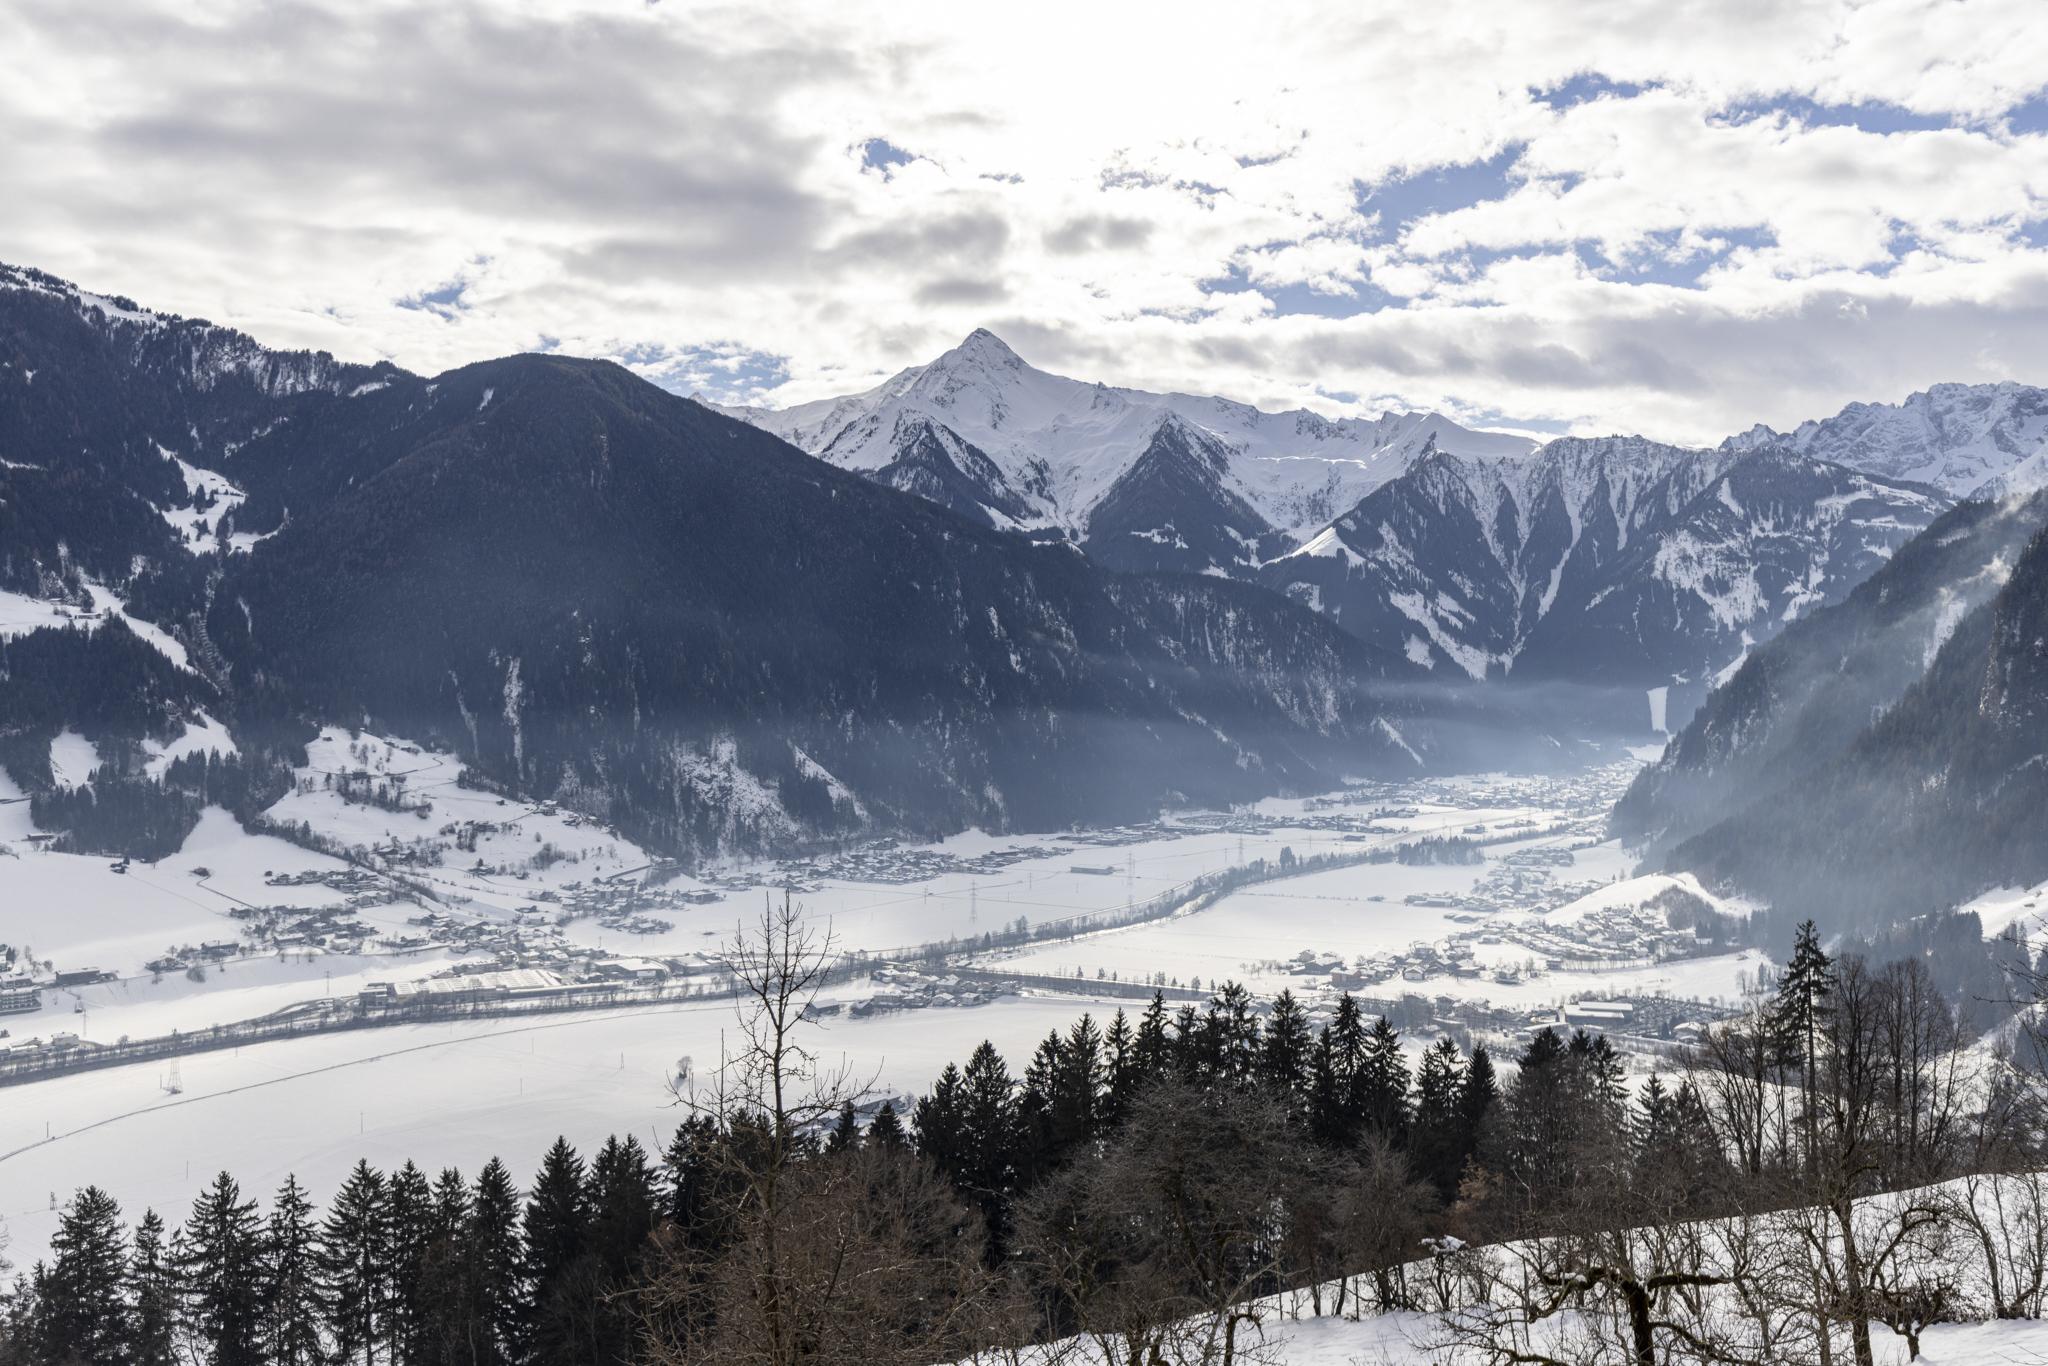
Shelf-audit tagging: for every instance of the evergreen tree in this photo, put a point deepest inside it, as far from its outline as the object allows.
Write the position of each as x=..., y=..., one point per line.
x=352, y=1261
x=1233, y=1029
x=1799, y=1020
x=845, y=1136
x=447, y=1306
x=555, y=1235
x=1328, y=1123
x=1121, y=1072
x=408, y=1234
x=695, y=1179
x=1191, y=1047
x=1481, y=1093
x=623, y=1201
x=1347, y=1070
x=886, y=1132
x=1541, y=1120
x=1436, y=1142
x=220, y=1267
x=1651, y=1127
x=938, y=1119
x=83, y=1307
x=153, y=1294
x=1079, y=1080
x=1152, y=1052
x=1036, y=1144
x=1285, y=1055
x=491, y=1268
x=291, y=1281
x=1381, y=1084
x=989, y=1139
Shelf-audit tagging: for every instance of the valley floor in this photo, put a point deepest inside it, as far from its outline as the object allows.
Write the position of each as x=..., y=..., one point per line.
x=461, y=1091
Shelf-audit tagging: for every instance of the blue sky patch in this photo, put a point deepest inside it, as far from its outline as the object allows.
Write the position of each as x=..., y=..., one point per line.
x=720, y=373
x=1665, y=261
x=2029, y=116
x=1585, y=87
x=879, y=154
x=1873, y=117
x=445, y=300
x=1401, y=200
x=1299, y=300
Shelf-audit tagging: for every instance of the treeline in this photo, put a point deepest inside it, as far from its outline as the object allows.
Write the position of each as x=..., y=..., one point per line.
x=121, y=692
x=133, y=814
x=1141, y=1185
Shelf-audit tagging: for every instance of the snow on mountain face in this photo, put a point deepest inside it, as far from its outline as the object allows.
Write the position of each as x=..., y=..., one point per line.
x=1961, y=438
x=1462, y=557
x=1601, y=560
x=1223, y=483
x=206, y=353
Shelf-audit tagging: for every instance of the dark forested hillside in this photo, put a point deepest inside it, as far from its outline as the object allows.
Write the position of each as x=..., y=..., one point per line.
x=96, y=397
x=1617, y=561
x=1942, y=796
x=596, y=591
x=1799, y=701
x=602, y=592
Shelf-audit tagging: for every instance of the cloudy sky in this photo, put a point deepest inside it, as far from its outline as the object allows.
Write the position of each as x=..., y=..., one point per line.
x=1585, y=215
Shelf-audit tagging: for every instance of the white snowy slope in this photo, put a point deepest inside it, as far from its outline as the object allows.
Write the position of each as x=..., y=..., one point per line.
x=1037, y=450
x=209, y=354
x=1610, y=559
x=1957, y=437
x=214, y=499
x=2029, y=476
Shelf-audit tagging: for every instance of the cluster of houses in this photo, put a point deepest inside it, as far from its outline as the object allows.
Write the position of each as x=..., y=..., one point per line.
x=900, y=987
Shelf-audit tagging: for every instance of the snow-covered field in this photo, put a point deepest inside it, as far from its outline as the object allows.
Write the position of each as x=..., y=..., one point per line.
x=443, y=1094
x=1412, y=1339
x=427, y=783
x=1415, y=1339
x=455, y=1093
x=1347, y=911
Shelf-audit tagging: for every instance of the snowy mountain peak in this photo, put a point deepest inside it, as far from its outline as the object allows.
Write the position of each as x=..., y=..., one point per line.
x=1958, y=437
x=1058, y=447
x=983, y=347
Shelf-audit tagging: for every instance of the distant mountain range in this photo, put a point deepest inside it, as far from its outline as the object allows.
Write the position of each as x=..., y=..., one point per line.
x=1610, y=560
x=1141, y=481
x=597, y=591
x=998, y=597
x=1615, y=560
x=1969, y=440
x=1886, y=756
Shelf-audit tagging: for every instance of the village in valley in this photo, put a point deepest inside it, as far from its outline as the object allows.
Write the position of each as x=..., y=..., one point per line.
x=1475, y=907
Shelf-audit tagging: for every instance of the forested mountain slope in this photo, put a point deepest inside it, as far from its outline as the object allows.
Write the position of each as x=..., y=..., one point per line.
x=1615, y=561
x=590, y=586
x=597, y=591
x=1798, y=702
x=1942, y=796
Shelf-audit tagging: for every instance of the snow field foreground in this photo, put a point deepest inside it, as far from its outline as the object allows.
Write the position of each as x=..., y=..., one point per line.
x=1975, y=1241
x=445, y=1094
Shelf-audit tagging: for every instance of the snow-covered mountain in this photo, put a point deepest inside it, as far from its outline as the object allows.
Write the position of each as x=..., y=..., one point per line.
x=1142, y=480
x=1961, y=438
x=1615, y=559
x=1799, y=702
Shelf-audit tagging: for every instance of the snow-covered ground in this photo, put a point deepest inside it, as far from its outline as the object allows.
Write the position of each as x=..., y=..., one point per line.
x=458, y=1092
x=444, y=1094
x=427, y=785
x=1415, y=1339
x=1361, y=911
x=2011, y=907
x=20, y=614
x=1476, y=1289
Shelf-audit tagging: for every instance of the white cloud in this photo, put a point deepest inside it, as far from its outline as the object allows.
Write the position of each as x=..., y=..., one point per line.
x=1125, y=193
